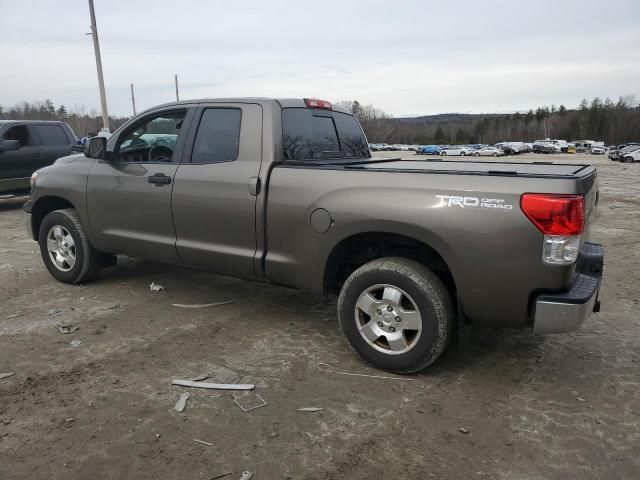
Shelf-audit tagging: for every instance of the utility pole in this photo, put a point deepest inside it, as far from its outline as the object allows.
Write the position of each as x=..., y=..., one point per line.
x=177, y=96
x=96, y=48
x=133, y=101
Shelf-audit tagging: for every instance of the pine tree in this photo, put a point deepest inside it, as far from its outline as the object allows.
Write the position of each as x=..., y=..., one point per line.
x=62, y=111
x=438, y=138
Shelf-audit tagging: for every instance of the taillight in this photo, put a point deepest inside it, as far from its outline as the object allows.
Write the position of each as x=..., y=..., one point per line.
x=561, y=219
x=315, y=103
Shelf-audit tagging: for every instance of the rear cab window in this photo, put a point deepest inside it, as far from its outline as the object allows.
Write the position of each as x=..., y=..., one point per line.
x=316, y=134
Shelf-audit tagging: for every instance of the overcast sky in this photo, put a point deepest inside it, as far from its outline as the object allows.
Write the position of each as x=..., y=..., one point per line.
x=405, y=57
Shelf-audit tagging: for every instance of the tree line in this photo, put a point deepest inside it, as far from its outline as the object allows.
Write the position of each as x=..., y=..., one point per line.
x=608, y=121
x=81, y=121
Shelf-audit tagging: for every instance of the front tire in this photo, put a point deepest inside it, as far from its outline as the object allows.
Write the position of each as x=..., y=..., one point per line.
x=66, y=250
x=397, y=314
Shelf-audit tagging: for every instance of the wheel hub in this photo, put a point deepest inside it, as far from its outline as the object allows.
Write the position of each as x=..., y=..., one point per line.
x=61, y=248
x=388, y=319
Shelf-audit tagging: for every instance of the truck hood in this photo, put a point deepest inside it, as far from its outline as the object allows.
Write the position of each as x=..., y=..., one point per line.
x=71, y=159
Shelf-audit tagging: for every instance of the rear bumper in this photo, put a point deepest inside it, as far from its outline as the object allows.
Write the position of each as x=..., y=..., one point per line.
x=564, y=312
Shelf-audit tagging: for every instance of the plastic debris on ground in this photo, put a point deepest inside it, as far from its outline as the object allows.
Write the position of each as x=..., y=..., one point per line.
x=67, y=328
x=182, y=402
x=155, y=287
x=201, y=305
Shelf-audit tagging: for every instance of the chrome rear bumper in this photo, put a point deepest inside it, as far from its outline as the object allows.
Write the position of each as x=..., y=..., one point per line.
x=564, y=312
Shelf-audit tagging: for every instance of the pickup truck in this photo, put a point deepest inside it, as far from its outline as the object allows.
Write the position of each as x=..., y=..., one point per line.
x=286, y=191
x=26, y=146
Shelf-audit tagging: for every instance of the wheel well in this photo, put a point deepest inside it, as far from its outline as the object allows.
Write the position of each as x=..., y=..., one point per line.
x=43, y=207
x=353, y=252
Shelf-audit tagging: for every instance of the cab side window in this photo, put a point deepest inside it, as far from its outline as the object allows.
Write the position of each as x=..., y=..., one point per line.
x=20, y=133
x=153, y=140
x=218, y=136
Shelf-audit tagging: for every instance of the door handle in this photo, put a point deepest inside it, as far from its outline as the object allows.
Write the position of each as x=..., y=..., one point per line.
x=254, y=186
x=159, y=179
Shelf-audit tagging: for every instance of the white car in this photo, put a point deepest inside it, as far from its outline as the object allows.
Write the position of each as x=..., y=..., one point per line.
x=630, y=157
x=456, y=150
x=488, y=152
x=597, y=150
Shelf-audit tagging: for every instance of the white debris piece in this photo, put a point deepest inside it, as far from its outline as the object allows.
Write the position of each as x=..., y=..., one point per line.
x=310, y=409
x=155, y=287
x=6, y=375
x=214, y=386
x=201, y=305
x=182, y=402
x=76, y=343
x=203, y=442
x=246, y=476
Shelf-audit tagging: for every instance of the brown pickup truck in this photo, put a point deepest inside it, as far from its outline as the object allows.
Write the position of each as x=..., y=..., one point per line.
x=286, y=191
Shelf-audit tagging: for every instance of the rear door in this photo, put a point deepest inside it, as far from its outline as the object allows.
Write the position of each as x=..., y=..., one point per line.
x=129, y=196
x=215, y=189
x=53, y=142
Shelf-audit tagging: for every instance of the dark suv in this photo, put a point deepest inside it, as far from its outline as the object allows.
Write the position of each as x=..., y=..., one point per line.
x=26, y=146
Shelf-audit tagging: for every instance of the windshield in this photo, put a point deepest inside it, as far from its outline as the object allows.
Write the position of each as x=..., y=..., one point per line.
x=312, y=134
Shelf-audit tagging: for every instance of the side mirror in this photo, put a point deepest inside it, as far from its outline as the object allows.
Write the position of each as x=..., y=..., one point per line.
x=96, y=148
x=9, y=145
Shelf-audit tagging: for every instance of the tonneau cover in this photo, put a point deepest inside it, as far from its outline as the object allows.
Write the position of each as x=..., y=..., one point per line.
x=500, y=168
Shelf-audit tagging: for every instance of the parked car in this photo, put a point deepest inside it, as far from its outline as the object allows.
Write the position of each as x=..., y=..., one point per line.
x=430, y=150
x=26, y=146
x=545, y=148
x=511, y=148
x=286, y=191
x=618, y=153
x=488, y=152
x=460, y=150
x=597, y=150
x=631, y=156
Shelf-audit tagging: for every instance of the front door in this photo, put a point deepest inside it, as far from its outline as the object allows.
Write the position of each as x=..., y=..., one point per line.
x=129, y=196
x=215, y=191
x=16, y=166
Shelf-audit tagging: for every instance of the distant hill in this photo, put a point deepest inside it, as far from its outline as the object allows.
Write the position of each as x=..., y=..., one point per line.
x=457, y=118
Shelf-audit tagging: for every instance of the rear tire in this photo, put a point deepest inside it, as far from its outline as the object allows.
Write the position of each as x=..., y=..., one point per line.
x=628, y=159
x=66, y=250
x=494, y=154
x=462, y=154
x=410, y=314
x=443, y=154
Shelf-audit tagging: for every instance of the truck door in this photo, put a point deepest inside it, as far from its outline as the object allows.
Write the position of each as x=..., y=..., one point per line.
x=214, y=193
x=52, y=142
x=129, y=196
x=16, y=166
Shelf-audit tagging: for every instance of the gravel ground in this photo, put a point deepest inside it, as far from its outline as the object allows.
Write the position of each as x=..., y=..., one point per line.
x=513, y=405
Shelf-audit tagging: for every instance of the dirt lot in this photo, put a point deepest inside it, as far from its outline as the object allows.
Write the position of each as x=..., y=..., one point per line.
x=555, y=407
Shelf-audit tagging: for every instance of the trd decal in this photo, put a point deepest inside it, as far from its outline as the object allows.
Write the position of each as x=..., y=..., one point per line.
x=473, y=202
